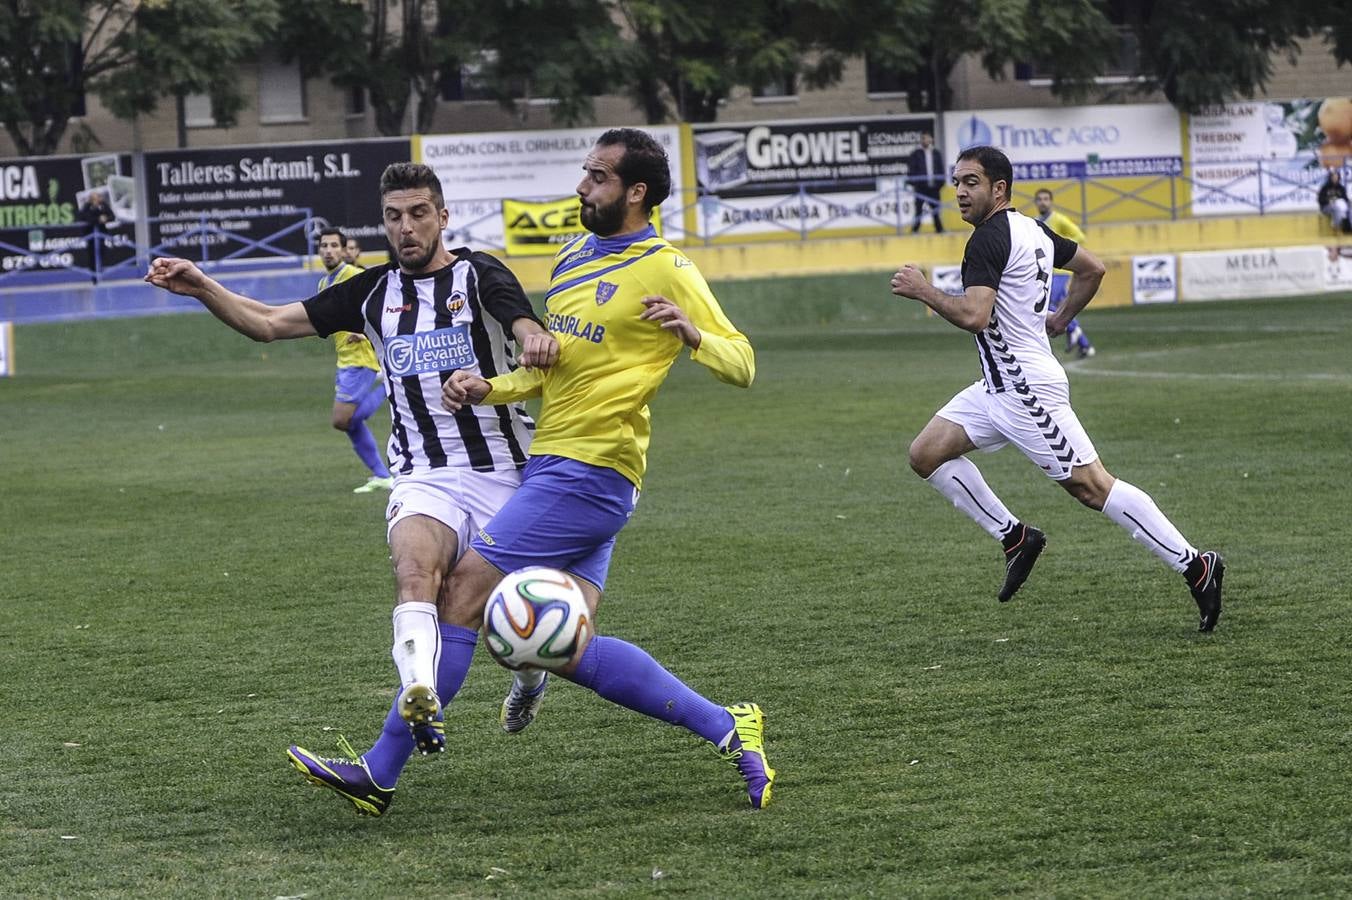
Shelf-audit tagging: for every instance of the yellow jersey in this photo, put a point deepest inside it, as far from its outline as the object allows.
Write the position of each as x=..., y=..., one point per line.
x=351, y=354
x=594, y=399
x=1063, y=225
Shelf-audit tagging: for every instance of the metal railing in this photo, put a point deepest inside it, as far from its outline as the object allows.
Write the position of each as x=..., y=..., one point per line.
x=72, y=253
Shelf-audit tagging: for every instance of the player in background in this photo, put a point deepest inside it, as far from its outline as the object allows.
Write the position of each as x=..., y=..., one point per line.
x=623, y=304
x=352, y=252
x=1062, y=224
x=357, y=391
x=1023, y=397
x=431, y=312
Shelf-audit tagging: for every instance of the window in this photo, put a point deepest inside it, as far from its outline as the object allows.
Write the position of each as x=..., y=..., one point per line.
x=469, y=81
x=884, y=80
x=281, y=91
x=197, y=111
x=356, y=102
x=780, y=89
x=1122, y=65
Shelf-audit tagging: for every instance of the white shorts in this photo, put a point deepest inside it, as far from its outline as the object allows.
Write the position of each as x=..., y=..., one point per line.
x=461, y=499
x=1035, y=418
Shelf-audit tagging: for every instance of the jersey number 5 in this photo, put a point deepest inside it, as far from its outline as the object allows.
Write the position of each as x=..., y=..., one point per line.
x=1044, y=279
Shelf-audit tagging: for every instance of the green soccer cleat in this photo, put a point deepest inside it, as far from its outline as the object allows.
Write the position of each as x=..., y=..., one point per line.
x=348, y=778
x=375, y=483
x=746, y=750
x=421, y=711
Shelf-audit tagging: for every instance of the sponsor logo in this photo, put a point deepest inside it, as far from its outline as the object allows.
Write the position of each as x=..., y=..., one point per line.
x=974, y=133
x=604, y=291
x=682, y=262
x=442, y=350
x=399, y=309
x=487, y=538
x=576, y=327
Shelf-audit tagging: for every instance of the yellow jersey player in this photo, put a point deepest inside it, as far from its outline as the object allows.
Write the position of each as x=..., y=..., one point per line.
x=357, y=388
x=1061, y=224
x=623, y=304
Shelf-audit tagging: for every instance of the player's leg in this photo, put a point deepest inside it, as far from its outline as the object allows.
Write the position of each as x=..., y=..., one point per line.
x=1057, y=442
x=421, y=548
x=566, y=515
x=938, y=455
x=357, y=394
x=1135, y=511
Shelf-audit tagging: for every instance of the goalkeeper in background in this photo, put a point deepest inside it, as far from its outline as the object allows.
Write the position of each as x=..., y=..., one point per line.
x=1061, y=223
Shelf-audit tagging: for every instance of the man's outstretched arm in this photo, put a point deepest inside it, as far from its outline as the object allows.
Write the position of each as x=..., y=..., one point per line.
x=247, y=316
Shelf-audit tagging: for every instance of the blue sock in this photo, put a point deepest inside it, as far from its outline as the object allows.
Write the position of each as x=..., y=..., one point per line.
x=386, y=760
x=365, y=445
x=392, y=749
x=368, y=404
x=625, y=674
x=457, y=652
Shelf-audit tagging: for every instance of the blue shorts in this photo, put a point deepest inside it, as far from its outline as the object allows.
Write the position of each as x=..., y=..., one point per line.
x=565, y=515
x=1060, y=284
x=352, y=383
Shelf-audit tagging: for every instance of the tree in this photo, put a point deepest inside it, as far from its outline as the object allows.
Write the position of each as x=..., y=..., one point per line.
x=685, y=56
x=565, y=50
x=1205, y=52
x=128, y=53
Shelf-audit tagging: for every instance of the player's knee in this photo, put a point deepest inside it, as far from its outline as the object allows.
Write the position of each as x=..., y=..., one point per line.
x=416, y=578
x=921, y=459
x=342, y=421
x=465, y=591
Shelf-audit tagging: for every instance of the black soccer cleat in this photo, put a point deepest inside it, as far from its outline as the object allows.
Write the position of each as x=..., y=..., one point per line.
x=1022, y=548
x=1204, y=576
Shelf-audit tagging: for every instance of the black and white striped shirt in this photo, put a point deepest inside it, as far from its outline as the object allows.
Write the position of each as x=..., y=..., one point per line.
x=1015, y=255
x=423, y=328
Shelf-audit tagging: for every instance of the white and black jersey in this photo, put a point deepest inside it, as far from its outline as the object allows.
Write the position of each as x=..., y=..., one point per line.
x=1015, y=255
x=423, y=328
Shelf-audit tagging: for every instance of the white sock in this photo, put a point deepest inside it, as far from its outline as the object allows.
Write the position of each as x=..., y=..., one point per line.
x=417, y=642
x=1132, y=508
x=530, y=679
x=961, y=482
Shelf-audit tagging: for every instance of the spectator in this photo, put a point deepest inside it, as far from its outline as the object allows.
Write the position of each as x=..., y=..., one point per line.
x=1333, y=201
x=96, y=213
x=97, y=217
x=927, y=173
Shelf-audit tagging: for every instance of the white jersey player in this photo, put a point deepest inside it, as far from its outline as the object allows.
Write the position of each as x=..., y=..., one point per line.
x=1023, y=397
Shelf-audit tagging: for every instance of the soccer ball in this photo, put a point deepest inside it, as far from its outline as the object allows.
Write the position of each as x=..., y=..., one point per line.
x=535, y=619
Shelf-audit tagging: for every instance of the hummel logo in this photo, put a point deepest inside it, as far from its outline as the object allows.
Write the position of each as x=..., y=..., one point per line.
x=394, y=309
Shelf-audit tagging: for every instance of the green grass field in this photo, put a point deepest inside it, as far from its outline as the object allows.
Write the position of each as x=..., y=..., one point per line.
x=189, y=586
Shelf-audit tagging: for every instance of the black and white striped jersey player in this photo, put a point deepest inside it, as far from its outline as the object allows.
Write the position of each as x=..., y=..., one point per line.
x=430, y=312
x=1023, y=396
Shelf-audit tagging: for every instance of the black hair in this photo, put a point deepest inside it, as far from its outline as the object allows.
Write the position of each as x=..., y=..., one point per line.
x=342, y=241
x=995, y=163
x=644, y=161
x=408, y=176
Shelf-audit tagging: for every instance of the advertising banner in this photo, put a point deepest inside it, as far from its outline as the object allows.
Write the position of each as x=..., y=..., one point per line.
x=1266, y=156
x=811, y=177
x=1075, y=141
x=250, y=194
x=479, y=170
x=41, y=226
x=6, y=349
x=1154, y=279
x=1338, y=269
x=1256, y=272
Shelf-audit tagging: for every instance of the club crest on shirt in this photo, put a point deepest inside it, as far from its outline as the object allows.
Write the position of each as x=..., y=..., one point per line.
x=604, y=291
x=455, y=302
